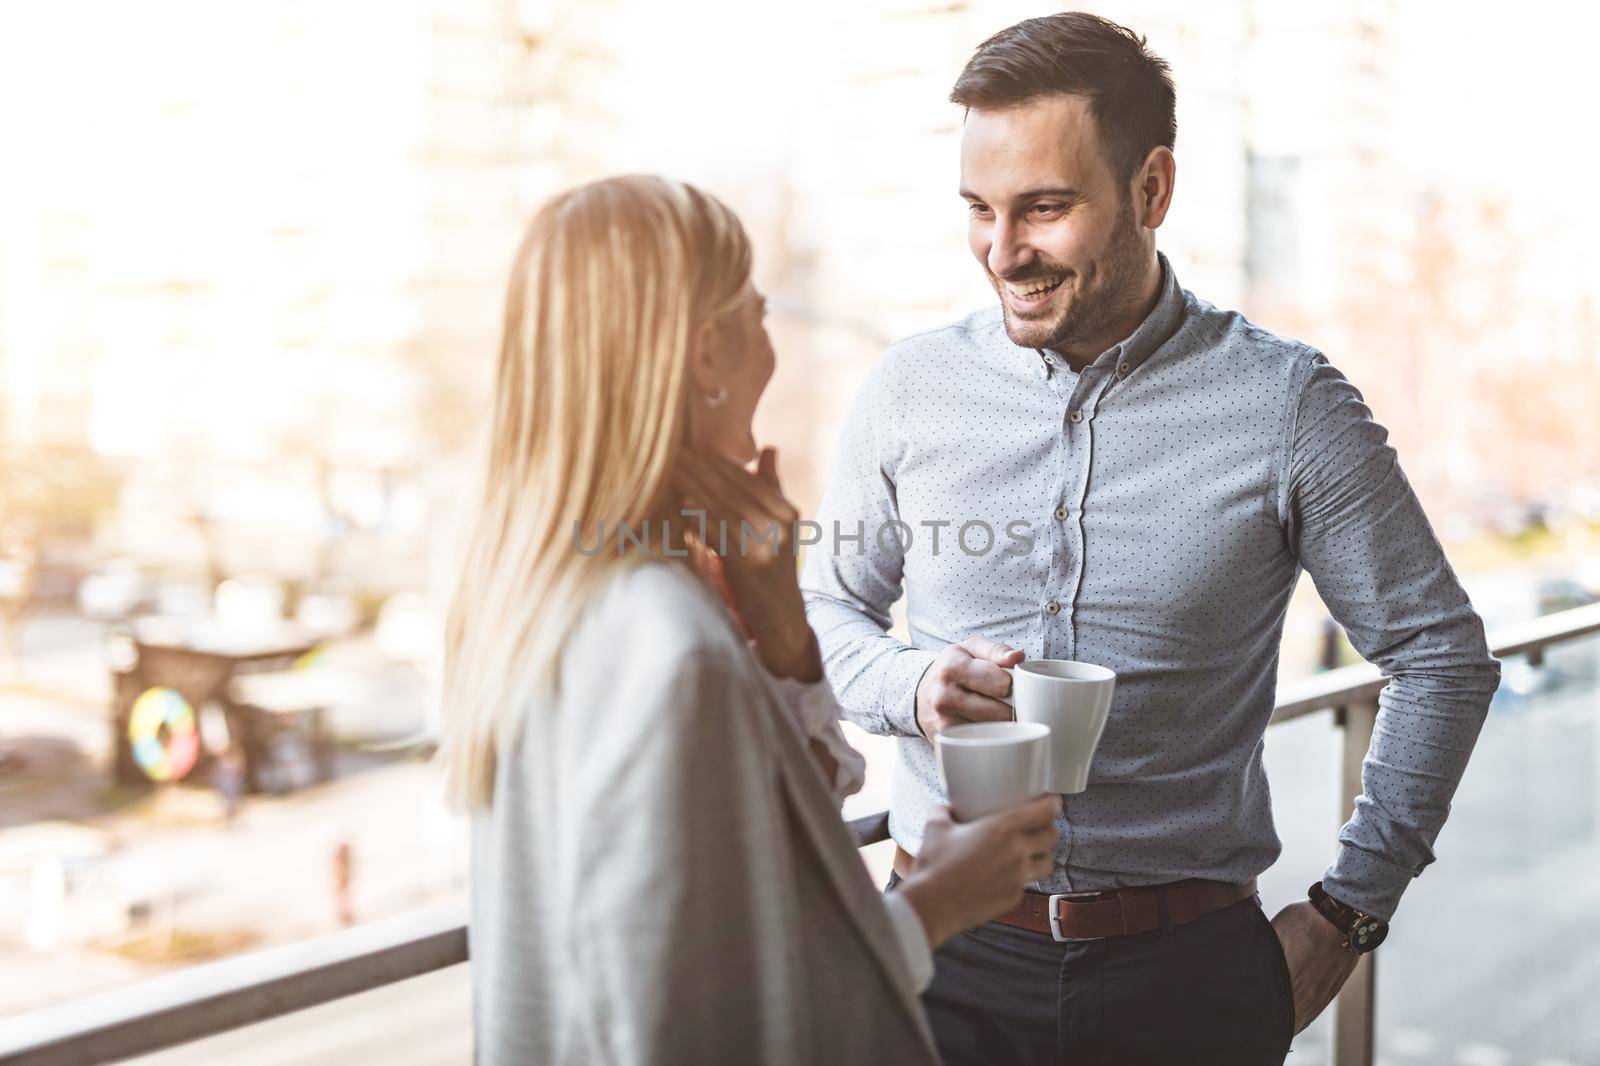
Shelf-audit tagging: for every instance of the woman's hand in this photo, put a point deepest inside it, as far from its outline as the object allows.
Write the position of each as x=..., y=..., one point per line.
x=972, y=873
x=759, y=566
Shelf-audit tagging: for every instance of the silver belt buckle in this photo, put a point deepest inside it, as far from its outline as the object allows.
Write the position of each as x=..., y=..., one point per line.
x=1055, y=918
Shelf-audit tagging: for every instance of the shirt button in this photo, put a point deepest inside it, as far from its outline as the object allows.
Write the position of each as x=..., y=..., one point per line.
x=1124, y=368
x=1061, y=514
x=1076, y=416
x=1052, y=607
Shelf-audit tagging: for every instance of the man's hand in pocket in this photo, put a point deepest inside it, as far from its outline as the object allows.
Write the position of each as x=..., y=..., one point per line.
x=1319, y=963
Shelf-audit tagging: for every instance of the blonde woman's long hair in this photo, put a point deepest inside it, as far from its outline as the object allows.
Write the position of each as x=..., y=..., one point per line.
x=591, y=401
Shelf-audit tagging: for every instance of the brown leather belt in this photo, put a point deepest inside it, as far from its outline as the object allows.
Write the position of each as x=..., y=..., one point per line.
x=1114, y=912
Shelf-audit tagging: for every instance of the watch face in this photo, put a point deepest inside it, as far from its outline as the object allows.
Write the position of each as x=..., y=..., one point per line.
x=1368, y=933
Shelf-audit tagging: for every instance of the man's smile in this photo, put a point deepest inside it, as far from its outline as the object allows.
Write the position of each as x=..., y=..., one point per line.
x=1032, y=294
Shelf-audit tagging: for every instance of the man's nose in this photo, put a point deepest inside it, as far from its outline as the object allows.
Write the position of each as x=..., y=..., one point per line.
x=1008, y=252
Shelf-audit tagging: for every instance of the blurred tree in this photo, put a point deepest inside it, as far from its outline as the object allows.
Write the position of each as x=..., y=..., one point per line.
x=47, y=495
x=58, y=492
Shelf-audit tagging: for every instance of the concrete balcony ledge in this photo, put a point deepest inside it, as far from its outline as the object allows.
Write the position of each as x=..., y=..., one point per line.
x=200, y=1001
x=219, y=997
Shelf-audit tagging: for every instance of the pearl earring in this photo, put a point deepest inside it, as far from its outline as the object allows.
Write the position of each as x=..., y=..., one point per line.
x=719, y=399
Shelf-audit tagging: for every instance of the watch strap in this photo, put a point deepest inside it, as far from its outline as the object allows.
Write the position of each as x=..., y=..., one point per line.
x=1362, y=932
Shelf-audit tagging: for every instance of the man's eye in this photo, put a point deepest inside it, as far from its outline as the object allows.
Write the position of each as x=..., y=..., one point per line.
x=977, y=209
x=1048, y=209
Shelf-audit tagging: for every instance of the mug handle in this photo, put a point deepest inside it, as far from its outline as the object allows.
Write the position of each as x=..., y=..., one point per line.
x=1009, y=699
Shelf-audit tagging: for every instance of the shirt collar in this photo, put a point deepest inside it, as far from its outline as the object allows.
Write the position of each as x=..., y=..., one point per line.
x=1160, y=324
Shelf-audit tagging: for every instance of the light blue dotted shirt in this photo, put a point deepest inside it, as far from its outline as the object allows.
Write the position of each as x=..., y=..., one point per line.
x=1150, y=514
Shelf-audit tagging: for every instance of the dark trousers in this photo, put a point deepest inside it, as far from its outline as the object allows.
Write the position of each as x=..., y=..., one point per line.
x=1214, y=990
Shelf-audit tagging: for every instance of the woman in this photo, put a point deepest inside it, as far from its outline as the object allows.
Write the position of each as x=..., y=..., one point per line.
x=660, y=874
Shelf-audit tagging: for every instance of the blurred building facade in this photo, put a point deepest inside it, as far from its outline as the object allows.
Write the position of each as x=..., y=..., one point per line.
x=254, y=257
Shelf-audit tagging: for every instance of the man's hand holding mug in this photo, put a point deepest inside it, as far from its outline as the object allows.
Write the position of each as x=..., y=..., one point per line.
x=968, y=682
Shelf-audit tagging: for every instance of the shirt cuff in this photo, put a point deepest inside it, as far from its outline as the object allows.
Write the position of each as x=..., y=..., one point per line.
x=813, y=708
x=1365, y=881
x=913, y=939
x=899, y=691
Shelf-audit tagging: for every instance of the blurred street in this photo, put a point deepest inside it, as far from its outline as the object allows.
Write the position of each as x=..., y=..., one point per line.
x=1523, y=839
x=1487, y=962
x=1481, y=969
x=101, y=884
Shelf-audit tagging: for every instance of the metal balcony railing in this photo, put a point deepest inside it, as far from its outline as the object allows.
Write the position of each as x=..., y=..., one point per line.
x=217, y=997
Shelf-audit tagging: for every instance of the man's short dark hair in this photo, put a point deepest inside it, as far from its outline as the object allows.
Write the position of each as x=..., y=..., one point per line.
x=1129, y=87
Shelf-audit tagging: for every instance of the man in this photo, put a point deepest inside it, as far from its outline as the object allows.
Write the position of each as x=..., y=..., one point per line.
x=1108, y=468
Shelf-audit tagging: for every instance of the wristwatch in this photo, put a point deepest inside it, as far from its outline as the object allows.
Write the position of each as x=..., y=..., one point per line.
x=1362, y=932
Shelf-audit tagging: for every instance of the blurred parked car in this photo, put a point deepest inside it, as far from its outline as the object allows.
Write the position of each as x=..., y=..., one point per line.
x=328, y=614
x=250, y=602
x=410, y=629
x=13, y=579
x=1563, y=594
x=183, y=600
x=116, y=590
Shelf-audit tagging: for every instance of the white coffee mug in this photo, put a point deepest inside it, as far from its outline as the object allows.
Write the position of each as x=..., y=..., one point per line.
x=991, y=765
x=1073, y=699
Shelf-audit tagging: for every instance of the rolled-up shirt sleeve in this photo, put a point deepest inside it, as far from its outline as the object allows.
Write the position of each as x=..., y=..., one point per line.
x=1358, y=529
x=853, y=576
x=813, y=709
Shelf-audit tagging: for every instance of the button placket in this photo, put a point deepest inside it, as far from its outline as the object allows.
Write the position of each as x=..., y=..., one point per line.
x=1085, y=394
x=1085, y=399
x=1059, y=568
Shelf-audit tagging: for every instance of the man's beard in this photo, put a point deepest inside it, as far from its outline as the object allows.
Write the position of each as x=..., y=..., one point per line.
x=1095, y=301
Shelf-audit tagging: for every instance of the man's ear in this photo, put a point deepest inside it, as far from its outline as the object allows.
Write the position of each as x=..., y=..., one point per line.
x=1152, y=190
x=705, y=370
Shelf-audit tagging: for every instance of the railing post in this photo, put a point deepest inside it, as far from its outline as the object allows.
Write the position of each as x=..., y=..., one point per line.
x=1354, y=1012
